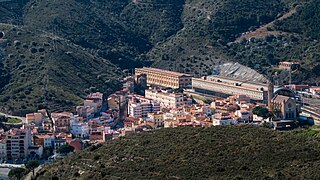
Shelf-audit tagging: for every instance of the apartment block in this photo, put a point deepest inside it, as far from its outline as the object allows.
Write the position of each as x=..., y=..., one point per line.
x=18, y=142
x=167, y=99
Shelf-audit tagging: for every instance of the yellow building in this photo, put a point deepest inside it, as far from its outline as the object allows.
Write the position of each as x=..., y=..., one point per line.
x=34, y=118
x=157, y=117
x=165, y=78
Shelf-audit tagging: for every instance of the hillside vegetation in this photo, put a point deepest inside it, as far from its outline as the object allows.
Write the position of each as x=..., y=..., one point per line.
x=190, y=36
x=224, y=152
x=46, y=71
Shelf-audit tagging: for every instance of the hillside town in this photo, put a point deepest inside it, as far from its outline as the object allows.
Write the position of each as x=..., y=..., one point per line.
x=152, y=99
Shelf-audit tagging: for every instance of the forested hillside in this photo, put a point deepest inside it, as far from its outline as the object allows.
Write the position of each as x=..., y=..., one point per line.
x=221, y=152
x=46, y=71
x=189, y=36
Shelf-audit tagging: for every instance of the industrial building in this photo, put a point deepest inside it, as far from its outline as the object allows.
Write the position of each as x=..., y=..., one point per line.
x=223, y=87
x=164, y=78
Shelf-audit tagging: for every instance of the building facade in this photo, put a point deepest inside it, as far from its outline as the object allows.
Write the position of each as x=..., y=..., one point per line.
x=62, y=121
x=289, y=66
x=18, y=142
x=286, y=107
x=166, y=99
x=223, y=119
x=141, y=110
x=219, y=87
x=80, y=130
x=164, y=78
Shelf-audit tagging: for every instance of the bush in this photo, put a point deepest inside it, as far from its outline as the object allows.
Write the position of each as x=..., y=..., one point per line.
x=17, y=173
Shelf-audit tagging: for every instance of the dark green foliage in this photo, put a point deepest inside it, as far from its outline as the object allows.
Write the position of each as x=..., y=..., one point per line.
x=52, y=81
x=224, y=152
x=31, y=165
x=75, y=46
x=16, y=173
x=306, y=21
x=65, y=149
x=261, y=111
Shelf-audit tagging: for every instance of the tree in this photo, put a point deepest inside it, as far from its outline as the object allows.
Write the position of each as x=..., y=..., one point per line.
x=256, y=109
x=16, y=173
x=31, y=165
x=65, y=149
x=261, y=111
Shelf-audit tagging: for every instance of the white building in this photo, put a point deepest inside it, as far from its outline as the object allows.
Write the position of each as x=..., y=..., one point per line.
x=243, y=115
x=167, y=99
x=80, y=130
x=223, y=119
x=139, y=107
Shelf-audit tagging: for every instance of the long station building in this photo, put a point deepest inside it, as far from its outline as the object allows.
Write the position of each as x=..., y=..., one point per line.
x=164, y=78
x=223, y=86
x=210, y=85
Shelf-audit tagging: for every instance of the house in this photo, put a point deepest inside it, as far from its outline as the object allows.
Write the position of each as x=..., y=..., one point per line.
x=86, y=112
x=96, y=136
x=157, y=118
x=58, y=143
x=223, y=119
x=236, y=99
x=34, y=118
x=170, y=123
x=80, y=130
x=166, y=98
x=47, y=141
x=289, y=66
x=94, y=100
x=243, y=115
x=142, y=108
x=62, y=121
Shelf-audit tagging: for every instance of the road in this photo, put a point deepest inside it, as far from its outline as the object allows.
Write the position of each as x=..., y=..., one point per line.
x=17, y=117
x=29, y=175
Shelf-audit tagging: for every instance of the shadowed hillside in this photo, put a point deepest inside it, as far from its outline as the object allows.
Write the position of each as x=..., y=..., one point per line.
x=224, y=152
x=190, y=36
x=46, y=71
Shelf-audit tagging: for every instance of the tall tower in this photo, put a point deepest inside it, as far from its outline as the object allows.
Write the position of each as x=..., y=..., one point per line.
x=270, y=95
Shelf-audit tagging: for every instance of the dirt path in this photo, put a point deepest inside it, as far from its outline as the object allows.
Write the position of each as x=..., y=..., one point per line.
x=262, y=31
x=29, y=175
